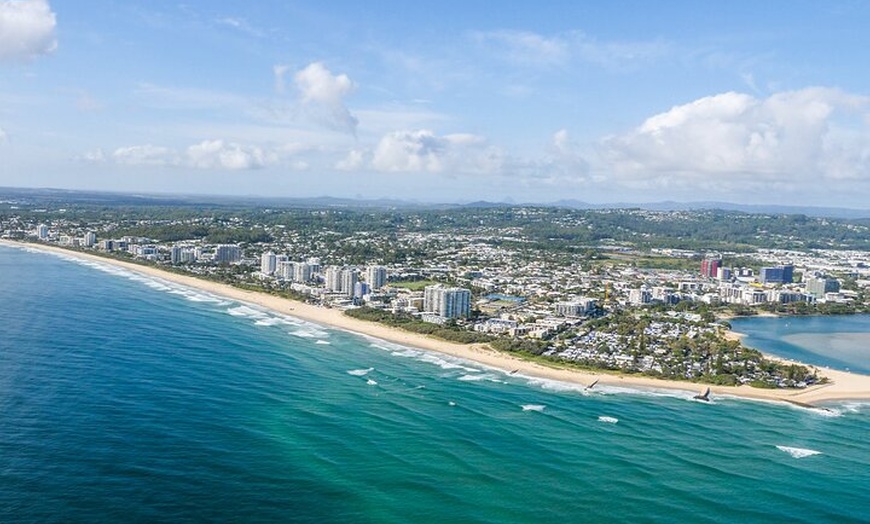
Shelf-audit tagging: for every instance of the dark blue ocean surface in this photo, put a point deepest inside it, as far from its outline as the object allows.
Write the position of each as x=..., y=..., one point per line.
x=128, y=399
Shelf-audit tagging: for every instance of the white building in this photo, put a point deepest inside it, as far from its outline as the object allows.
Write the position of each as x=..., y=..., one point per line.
x=268, y=263
x=575, y=308
x=349, y=279
x=376, y=276
x=89, y=239
x=304, y=271
x=453, y=302
x=333, y=279
x=286, y=270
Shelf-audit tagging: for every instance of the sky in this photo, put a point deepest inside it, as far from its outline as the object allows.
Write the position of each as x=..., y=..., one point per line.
x=453, y=101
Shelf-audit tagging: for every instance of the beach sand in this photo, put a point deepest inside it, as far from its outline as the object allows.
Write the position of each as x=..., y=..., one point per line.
x=842, y=385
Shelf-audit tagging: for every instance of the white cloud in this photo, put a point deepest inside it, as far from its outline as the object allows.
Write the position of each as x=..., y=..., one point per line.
x=279, y=72
x=97, y=156
x=27, y=29
x=145, y=155
x=240, y=24
x=208, y=154
x=528, y=48
x=735, y=139
x=424, y=151
x=354, y=161
x=322, y=94
x=217, y=154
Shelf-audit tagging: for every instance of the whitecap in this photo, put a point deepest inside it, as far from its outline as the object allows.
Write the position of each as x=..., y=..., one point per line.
x=371, y=382
x=323, y=342
x=609, y=420
x=798, y=452
x=305, y=333
x=245, y=311
x=533, y=407
x=360, y=372
x=451, y=403
x=854, y=407
x=270, y=321
x=472, y=377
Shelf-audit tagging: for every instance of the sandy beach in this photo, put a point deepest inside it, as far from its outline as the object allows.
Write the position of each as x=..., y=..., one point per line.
x=842, y=385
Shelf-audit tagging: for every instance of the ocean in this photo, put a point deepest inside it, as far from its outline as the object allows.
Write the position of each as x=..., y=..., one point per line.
x=125, y=398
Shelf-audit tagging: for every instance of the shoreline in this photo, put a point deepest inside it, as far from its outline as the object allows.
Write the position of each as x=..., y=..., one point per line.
x=842, y=385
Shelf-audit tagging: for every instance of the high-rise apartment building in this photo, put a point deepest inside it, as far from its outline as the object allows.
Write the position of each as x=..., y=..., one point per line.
x=447, y=302
x=710, y=266
x=376, y=276
x=268, y=263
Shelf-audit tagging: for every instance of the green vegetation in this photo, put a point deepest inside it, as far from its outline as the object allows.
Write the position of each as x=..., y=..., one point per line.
x=450, y=333
x=414, y=285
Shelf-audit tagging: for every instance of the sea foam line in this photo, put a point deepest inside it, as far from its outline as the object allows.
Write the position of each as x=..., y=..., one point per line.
x=798, y=452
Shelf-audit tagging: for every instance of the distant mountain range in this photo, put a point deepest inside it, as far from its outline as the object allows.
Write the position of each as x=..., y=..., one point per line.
x=49, y=195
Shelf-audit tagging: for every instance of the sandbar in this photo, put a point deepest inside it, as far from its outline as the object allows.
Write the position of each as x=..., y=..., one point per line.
x=841, y=385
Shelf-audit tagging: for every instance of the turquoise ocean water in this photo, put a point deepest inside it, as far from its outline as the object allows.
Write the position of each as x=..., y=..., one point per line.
x=128, y=399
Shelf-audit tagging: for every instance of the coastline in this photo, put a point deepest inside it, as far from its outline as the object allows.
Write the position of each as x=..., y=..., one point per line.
x=842, y=385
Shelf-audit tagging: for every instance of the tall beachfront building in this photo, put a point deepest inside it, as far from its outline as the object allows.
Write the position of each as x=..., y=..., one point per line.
x=227, y=253
x=349, y=279
x=447, y=302
x=304, y=271
x=333, y=279
x=89, y=239
x=268, y=263
x=42, y=231
x=376, y=276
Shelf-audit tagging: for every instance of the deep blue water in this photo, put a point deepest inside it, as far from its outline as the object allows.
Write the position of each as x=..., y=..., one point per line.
x=123, y=398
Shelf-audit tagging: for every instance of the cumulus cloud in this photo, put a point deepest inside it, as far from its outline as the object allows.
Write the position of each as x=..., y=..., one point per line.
x=735, y=138
x=27, y=29
x=145, y=155
x=354, y=160
x=280, y=71
x=424, y=151
x=217, y=154
x=566, y=158
x=322, y=95
x=208, y=154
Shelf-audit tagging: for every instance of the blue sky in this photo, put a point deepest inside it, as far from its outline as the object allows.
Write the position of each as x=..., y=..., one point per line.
x=625, y=101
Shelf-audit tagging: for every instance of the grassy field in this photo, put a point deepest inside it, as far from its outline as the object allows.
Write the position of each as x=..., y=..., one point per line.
x=416, y=285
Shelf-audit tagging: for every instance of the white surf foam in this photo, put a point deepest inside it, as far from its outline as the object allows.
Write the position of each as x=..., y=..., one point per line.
x=798, y=452
x=533, y=407
x=323, y=342
x=371, y=382
x=854, y=407
x=360, y=372
x=270, y=321
x=246, y=311
x=609, y=420
x=308, y=333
